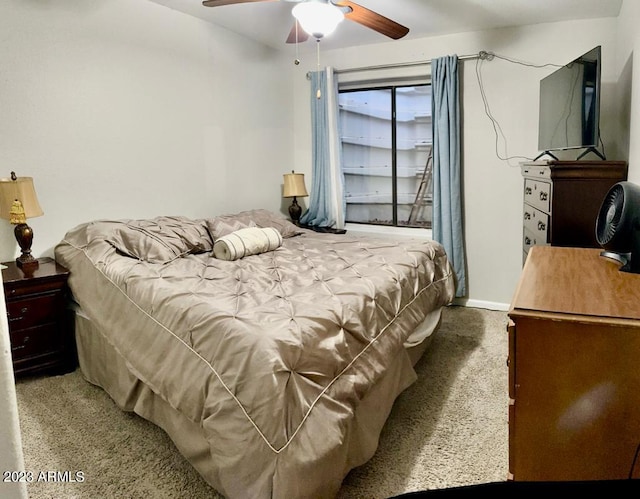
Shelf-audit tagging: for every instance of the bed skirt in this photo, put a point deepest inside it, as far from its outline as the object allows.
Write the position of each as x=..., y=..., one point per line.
x=103, y=366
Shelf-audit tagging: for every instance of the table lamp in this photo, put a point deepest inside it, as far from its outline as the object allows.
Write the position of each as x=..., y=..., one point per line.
x=18, y=201
x=293, y=188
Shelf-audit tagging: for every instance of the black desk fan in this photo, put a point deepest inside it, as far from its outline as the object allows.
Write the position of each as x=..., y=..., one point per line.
x=618, y=226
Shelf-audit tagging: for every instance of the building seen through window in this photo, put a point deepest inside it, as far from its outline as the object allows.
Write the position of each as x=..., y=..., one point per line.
x=386, y=155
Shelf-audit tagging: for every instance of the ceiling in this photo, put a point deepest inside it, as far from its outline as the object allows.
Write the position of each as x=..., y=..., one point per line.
x=269, y=22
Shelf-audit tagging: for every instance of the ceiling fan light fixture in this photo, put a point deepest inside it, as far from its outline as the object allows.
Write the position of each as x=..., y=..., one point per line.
x=318, y=18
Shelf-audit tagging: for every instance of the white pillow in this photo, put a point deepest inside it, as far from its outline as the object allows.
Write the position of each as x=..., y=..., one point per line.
x=245, y=242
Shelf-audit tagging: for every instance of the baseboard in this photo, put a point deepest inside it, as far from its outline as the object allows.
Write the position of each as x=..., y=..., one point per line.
x=489, y=305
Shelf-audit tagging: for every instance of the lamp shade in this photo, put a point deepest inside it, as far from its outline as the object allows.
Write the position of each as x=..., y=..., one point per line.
x=18, y=189
x=294, y=185
x=318, y=18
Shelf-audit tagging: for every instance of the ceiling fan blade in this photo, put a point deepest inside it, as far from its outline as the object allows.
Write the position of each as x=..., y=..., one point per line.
x=297, y=32
x=218, y=3
x=373, y=20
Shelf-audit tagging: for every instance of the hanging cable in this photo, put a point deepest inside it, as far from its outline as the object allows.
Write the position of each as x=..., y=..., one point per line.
x=491, y=55
x=497, y=129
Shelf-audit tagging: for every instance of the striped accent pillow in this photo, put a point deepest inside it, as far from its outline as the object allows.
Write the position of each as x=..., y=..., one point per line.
x=246, y=242
x=221, y=226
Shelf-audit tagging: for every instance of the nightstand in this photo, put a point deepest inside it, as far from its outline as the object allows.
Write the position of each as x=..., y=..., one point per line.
x=40, y=321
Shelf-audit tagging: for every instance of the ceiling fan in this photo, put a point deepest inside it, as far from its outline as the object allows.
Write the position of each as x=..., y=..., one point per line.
x=319, y=18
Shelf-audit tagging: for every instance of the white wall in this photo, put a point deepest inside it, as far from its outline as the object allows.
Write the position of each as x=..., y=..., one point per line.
x=11, y=456
x=628, y=44
x=127, y=109
x=492, y=187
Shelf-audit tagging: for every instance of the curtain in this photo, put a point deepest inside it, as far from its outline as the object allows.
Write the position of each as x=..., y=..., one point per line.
x=326, y=199
x=447, y=204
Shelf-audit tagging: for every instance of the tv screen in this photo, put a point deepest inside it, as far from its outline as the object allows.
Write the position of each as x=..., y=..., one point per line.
x=570, y=105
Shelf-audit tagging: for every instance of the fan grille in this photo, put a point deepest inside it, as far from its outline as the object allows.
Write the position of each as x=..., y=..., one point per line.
x=610, y=214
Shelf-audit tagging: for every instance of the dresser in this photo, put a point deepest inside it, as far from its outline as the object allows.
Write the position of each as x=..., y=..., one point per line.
x=574, y=368
x=40, y=322
x=562, y=199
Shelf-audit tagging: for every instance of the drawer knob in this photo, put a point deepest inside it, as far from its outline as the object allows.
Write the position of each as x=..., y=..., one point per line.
x=23, y=311
x=527, y=190
x=18, y=347
x=542, y=226
x=527, y=240
x=543, y=196
x=527, y=215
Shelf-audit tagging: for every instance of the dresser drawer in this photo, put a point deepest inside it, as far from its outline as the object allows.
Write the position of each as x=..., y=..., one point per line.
x=536, y=171
x=530, y=239
x=538, y=194
x=33, y=311
x=35, y=341
x=537, y=222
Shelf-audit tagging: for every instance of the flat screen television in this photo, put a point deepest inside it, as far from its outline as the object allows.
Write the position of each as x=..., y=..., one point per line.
x=570, y=107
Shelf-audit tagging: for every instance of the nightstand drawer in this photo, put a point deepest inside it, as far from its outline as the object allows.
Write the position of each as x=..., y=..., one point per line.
x=26, y=288
x=35, y=341
x=29, y=312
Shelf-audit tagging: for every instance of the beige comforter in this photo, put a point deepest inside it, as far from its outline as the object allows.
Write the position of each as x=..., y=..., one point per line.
x=270, y=354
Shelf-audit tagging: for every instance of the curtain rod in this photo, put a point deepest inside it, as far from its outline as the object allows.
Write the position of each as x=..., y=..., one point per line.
x=481, y=55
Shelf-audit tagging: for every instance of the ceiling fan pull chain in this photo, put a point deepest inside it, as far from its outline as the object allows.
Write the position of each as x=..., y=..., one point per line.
x=297, y=60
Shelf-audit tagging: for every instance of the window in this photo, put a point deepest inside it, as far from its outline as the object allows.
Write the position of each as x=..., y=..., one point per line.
x=386, y=155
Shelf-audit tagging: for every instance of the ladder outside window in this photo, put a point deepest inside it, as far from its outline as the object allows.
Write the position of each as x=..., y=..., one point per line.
x=424, y=196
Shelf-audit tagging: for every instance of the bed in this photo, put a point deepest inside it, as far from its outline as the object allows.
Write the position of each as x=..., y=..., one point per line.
x=274, y=369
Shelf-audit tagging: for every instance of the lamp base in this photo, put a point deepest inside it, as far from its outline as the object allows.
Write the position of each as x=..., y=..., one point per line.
x=24, y=236
x=27, y=262
x=295, y=211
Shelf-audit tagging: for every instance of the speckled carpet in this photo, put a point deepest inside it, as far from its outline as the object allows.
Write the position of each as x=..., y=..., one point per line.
x=450, y=428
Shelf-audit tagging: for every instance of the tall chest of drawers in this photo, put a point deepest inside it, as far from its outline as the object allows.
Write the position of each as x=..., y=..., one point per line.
x=561, y=201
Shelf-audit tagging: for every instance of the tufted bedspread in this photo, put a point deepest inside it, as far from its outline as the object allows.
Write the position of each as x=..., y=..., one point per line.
x=284, y=365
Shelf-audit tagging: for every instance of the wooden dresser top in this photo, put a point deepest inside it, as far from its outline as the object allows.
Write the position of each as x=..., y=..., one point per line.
x=578, y=282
